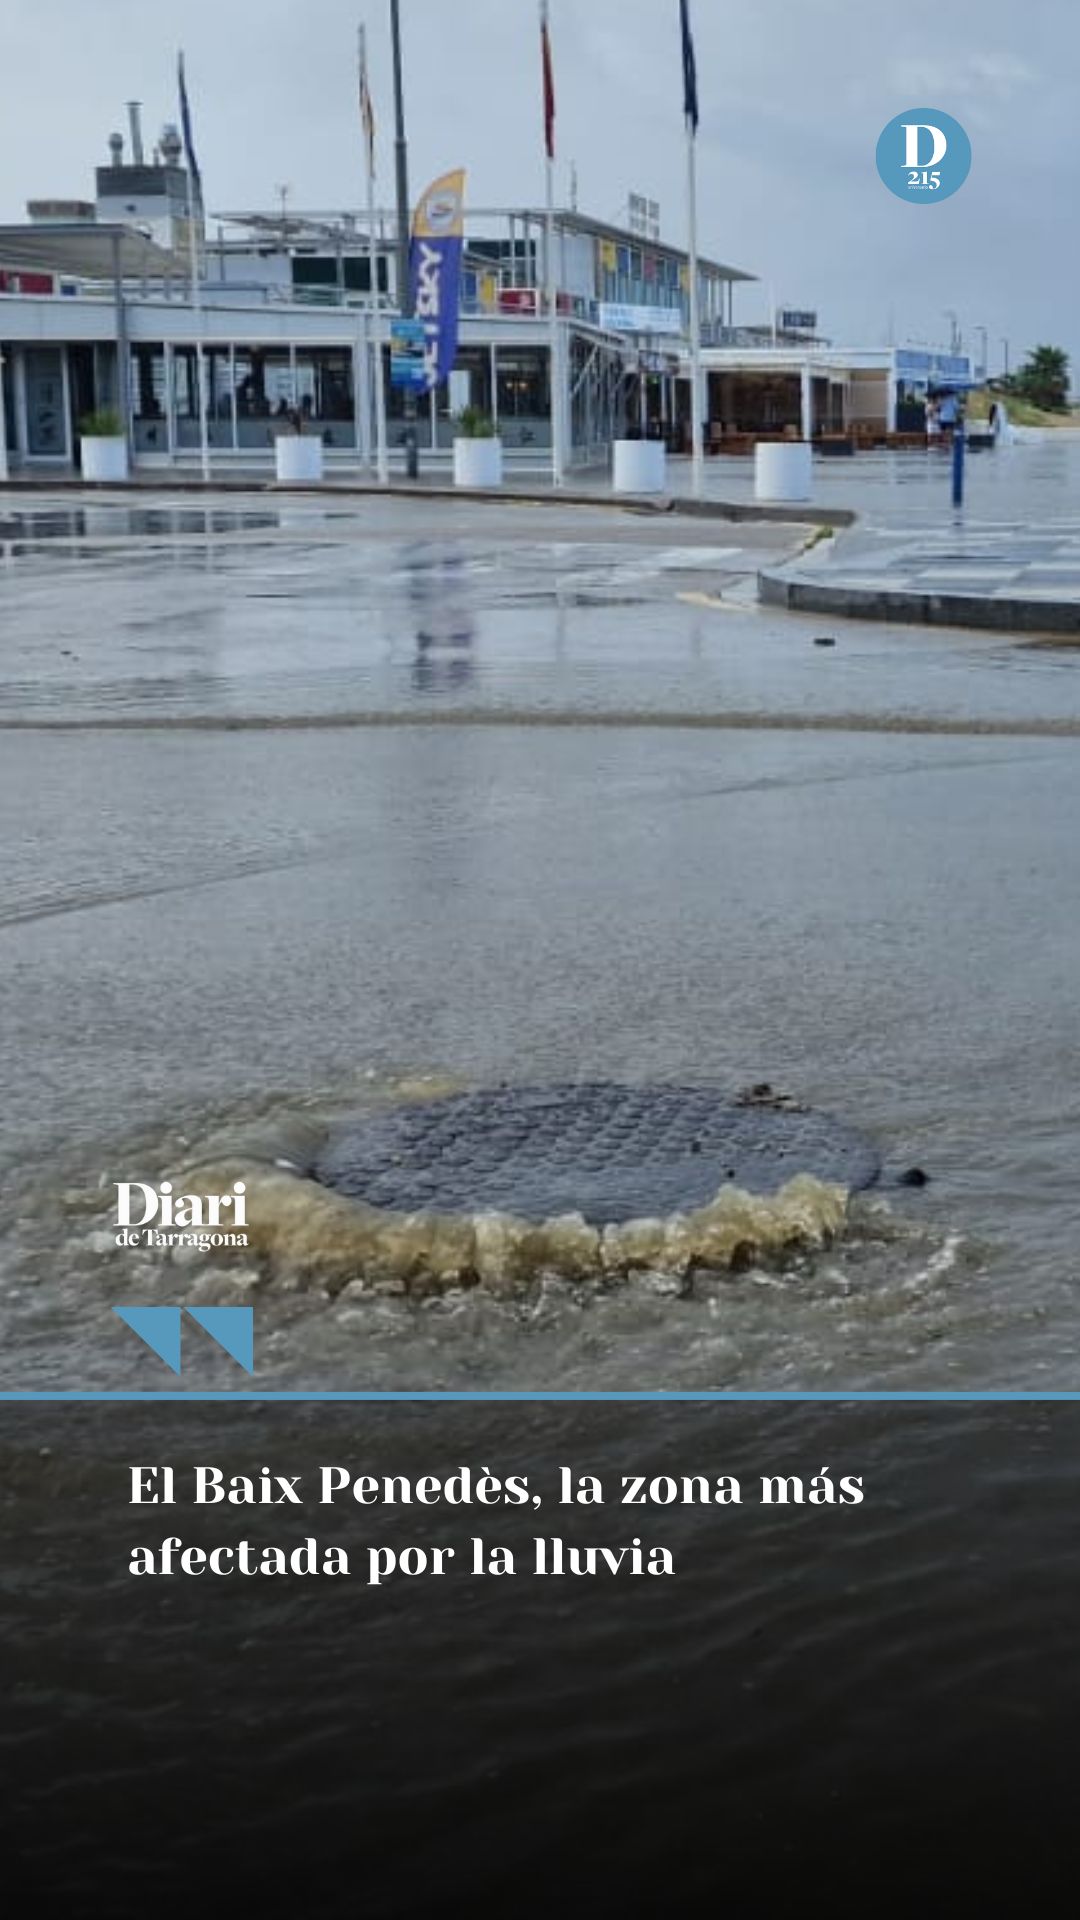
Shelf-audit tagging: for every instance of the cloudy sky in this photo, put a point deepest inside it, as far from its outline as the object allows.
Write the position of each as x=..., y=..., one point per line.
x=793, y=98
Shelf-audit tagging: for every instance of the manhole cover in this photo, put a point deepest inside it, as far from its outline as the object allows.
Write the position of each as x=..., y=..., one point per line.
x=610, y=1153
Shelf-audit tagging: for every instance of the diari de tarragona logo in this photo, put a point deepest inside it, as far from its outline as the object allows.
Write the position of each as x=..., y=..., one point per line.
x=149, y=1216
x=924, y=156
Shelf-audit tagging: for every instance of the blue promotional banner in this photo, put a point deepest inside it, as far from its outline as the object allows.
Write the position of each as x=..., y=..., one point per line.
x=437, y=242
x=408, y=365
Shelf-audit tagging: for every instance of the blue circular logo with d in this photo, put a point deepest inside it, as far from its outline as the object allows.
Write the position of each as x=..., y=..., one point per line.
x=924, y=156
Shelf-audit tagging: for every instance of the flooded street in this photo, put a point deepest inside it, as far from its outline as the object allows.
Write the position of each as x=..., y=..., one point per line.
x=316, y=808
x=312, y=804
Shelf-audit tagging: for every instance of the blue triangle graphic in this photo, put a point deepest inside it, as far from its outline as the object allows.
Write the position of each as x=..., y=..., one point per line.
x=159, y=1328
x=233, y=1328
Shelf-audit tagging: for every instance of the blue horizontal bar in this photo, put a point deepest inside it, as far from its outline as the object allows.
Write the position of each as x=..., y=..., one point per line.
x=543, y=1398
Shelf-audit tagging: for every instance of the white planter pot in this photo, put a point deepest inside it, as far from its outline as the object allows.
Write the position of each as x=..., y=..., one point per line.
x=478, y=463
x=298, y=456
x=103, y=458
x=784, y=470
x=639, y=466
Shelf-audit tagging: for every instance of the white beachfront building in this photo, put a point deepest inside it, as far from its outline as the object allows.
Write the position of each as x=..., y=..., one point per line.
x=97, y=310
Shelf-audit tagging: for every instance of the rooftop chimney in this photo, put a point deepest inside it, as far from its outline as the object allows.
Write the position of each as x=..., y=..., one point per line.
x=116, y=149
x=135, y=122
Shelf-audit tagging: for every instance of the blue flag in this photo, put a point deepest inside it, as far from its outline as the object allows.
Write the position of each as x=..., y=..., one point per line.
x=185, y=128
x=689, y=68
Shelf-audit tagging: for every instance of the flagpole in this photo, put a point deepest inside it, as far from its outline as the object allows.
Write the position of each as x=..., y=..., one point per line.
x=406, y=305
x=382, y=463
x=690, y=115
x=558, y=450
x=697, y=439
x=195, y=220
x=200, y=357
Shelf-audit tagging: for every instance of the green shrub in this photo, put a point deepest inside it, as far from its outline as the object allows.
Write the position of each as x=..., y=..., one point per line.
x=473, y=424
x=105, y=424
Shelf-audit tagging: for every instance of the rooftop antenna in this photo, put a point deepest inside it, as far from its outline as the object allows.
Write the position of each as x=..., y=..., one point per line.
x=283, y=196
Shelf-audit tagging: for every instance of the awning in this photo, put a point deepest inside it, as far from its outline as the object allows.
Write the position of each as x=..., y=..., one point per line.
x=87, y=249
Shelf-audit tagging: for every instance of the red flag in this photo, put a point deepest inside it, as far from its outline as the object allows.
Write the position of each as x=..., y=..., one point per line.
x=549, y=82
x=367, y=108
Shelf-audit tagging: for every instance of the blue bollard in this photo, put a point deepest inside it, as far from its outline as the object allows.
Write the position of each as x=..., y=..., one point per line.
x=958, y=465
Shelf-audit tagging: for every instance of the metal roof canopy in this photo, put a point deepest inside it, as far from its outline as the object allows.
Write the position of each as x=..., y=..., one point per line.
x=294, y=229
x=89, y=249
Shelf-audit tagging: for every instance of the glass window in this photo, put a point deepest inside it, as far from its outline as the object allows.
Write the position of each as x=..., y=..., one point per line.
x=324, y=392
x=7, y=413
x=148, y=399
x=262, y=391
x=522, y=382
x=476, y=362
x=186, y=398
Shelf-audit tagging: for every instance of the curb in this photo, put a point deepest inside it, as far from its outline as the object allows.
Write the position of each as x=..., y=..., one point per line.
x=799, y=594
x=730, y=510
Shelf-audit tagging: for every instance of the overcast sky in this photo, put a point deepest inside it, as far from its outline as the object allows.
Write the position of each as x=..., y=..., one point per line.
x=793, y=98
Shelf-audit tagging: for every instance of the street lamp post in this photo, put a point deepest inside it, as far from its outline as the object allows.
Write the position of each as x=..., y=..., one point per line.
x=985, y=363
x=1005, y=350
x=401, y=169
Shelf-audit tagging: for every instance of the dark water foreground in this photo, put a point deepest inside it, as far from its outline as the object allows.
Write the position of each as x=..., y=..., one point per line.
x=836, y=1697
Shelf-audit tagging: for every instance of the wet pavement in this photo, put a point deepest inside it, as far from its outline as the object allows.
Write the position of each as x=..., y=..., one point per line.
x=311, y=806
x=1032, y=481
x=1008, y=559
x=241, y=614
x=998, y=563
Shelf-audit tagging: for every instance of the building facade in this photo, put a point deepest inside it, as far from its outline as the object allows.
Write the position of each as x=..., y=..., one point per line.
x=287, y=317
x=101, y=306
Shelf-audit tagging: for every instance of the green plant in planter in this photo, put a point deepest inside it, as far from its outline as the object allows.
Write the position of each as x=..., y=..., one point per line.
x=472, y=423
x=105, y=424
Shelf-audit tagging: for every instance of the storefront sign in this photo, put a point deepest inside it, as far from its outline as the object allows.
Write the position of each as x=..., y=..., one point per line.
x=619, y=318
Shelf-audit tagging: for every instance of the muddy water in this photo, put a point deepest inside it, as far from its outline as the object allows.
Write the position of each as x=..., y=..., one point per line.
x=207, y=930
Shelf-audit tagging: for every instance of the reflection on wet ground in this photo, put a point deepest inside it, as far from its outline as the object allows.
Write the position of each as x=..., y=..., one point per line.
x=380, y=608
x=58, y=524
